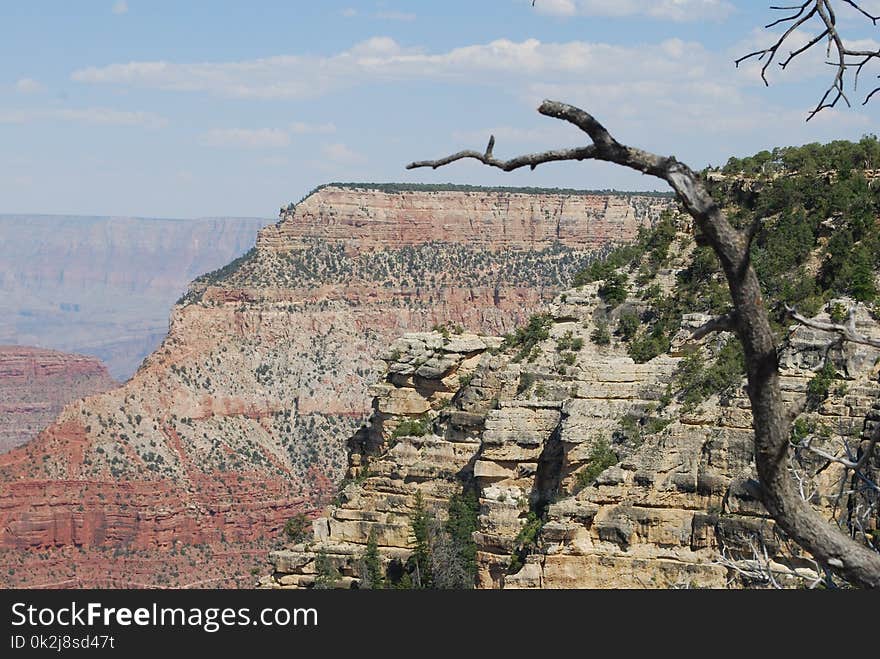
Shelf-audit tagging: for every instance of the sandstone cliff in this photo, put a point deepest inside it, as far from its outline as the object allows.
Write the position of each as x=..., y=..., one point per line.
x=237, y=422
x=35, y=384
x=532, y=430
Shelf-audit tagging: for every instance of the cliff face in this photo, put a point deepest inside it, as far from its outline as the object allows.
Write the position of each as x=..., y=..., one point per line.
x=237, y=421
x=103, y=286
x=531, y=432
x=36, y=384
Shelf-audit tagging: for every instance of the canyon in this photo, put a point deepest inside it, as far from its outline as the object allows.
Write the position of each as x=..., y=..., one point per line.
x=589, y=470
x=103, y=286
x=238, y=420
x=36, y=384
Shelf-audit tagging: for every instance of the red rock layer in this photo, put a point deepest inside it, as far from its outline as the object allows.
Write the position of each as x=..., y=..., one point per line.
x=239, y=420
x=35, y=384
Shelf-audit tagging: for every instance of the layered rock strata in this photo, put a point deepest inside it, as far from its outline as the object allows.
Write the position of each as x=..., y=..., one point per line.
x=238, y=421
x=677, y=508
x=35, y=384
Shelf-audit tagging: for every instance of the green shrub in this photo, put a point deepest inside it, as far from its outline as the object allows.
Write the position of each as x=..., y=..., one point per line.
x=838, y=312
x=461, y=524
x=820, y=384
x=327, y=576
x=421, y=522
x=297, y=528
x=412, y=428
x=526, y=541
x=527, y=338
x=372, y=576
x=601, y=336
x=564, y=342
x=648, y=345
x=694, y=381
x=601, y=457
x=628, y=325
x=613, y=290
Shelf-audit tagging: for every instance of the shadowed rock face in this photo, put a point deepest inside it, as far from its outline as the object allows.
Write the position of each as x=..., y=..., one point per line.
x=35, y=384
x=103, y=286
x=238, y=420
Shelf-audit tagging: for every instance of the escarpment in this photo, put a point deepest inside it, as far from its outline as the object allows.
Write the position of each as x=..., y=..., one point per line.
x=35, y=384
x=592, y=470
x=237, y=422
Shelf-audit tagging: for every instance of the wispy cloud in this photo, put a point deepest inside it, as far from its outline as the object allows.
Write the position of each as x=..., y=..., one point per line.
x=246, y=138
x=349, y=12
x=671, y=10
x=96, y=116
x=304, y=128
x=382, y=58
x=29, y=86
x=262, y=138
x=341, y=154
x=120, y=8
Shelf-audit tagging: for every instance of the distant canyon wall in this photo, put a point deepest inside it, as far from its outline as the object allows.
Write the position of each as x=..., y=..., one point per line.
x=103, y=286
x=36, y=384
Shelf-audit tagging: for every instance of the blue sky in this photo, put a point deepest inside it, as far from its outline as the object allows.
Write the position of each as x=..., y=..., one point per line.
x=198, y=108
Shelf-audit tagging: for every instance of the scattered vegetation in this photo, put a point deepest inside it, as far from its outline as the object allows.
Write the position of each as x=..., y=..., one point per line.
x=372, y=576
x=412, y=428
x=601, y=457
x=297, y=528
x=695, y=381
x=601, y=335
x=819, y=386
x=527, y=338
x=628, y=325
x=444, y=555
x=840, y=155
x=457, y=187
x=327, y=576
x=526, y=541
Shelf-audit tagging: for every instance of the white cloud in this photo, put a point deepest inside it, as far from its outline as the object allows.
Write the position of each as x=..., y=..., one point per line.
x=383, y=59
x=246, y=138
x=29, y=86
x=674, y=83
x=263, y=138
x=396, y=16
x=304, y=128
x=97, y=116
x=672, y=10
x=120, y=8
x=339, y=153
x=349, y=12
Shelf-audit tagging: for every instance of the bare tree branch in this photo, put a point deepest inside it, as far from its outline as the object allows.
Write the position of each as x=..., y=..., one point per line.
x=847, y=332
x=841, y=56
x=725, y=323
x=779, y=493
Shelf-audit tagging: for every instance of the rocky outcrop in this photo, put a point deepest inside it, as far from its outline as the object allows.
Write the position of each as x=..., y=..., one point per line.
x=237, y=422
x=35, y=384
x=416, y=447
x=675, y=504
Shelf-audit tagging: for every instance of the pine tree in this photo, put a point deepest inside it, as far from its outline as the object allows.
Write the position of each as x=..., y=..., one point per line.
x=372, y=576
